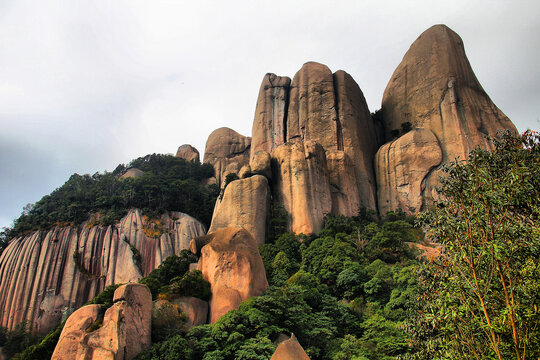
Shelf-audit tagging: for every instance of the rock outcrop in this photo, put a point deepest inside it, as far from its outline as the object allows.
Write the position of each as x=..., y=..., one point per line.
x=188, y=153
x=245, y=203
x=269, y=125
x=318, y=110
x=402, y=168
x=196, y=310
x=301, y=185
x=231, y=262
x=227, y=151
x=290, y=350
x=47, y=274
x=434, y=88
x=125, y=331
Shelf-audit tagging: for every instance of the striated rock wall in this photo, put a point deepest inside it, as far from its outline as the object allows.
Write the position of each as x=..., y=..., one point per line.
x=45, y=275
x=227, y=151
x=435, y=88
x=317, y=110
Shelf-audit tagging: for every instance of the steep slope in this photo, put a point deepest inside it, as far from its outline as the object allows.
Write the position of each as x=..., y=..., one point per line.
x=46, y=275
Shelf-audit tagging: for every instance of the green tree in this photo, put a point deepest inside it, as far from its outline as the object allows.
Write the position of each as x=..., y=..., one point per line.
x=482, y=295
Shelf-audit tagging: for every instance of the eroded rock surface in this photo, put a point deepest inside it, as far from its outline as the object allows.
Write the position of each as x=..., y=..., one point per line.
x=227, y=151
x=47, y=274
x=301, y=184
x=403, y=167
x=290, y=350
x=188, y=153
x=435, y=88
x=125, y=331
x=132, y=173
x=245, y=203
x=269, y=125
x=231, y=262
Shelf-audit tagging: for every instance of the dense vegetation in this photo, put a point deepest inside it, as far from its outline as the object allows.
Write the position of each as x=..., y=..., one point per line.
x=481, y=299
x=168, y=184
x=343, y=293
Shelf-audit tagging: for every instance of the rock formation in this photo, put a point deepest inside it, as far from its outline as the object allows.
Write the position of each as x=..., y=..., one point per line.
x=301, y=184
x=196, y=310
x=231, y=262
x=125, y=331
x=227, y=151
x=434, y=88
x=45, y=275
x=402, y=168
x=290, y=350
x=318, y=110
x=270, y=125
x=245, y=203
x=188, y=153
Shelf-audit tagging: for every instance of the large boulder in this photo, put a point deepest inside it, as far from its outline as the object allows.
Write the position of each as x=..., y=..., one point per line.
x=290, y=350
x=196, y=310
x=188, y=153
x=125, y=331
x=435, y=88
x=269, y=127
x=245, y=203
x=227, y=151
x=403, y=167
x=231, y=262
x=301, y=184
x=132, y=173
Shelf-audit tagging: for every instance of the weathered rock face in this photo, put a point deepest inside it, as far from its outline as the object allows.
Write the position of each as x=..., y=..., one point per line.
x=45, y=275
x=245, y=203
x=227, y=151
x=269, y=125
x=195, y=309
x=231, y=262
x=125, y=331
x=403, y=167
x=261, y=163
x=301, y=185
x=318, y=107
x=188, y=153
x=290, y=350
x=434, y=87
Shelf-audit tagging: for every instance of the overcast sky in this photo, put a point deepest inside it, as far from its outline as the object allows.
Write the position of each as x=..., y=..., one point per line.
x=86, y=85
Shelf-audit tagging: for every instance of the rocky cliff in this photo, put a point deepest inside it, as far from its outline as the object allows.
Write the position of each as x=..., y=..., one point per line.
x=435, y=89
x=47, y=274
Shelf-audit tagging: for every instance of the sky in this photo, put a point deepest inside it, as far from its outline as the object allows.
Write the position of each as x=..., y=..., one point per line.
x=87, y=85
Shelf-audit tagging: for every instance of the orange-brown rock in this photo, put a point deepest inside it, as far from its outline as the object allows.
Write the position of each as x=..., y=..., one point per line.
x=125, y=331
x=231, y=262
x=403, y=167
x=269, y=127
x=435, y=88
x=356, y=137
x=312, y=111
x=132, y=173
x=227, y=151
x=245, y=203
x=290, y=350
x=188, y=153
x=301, y=185
x=47, y=274
x=196, y=310
x=260, y=163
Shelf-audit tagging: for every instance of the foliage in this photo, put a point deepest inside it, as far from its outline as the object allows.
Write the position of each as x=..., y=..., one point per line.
x=167, y=321
x=340, y=301
x=168, y=184
x=105, y=297
x=481, y=297
x=191, y=284
x=16, y=340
